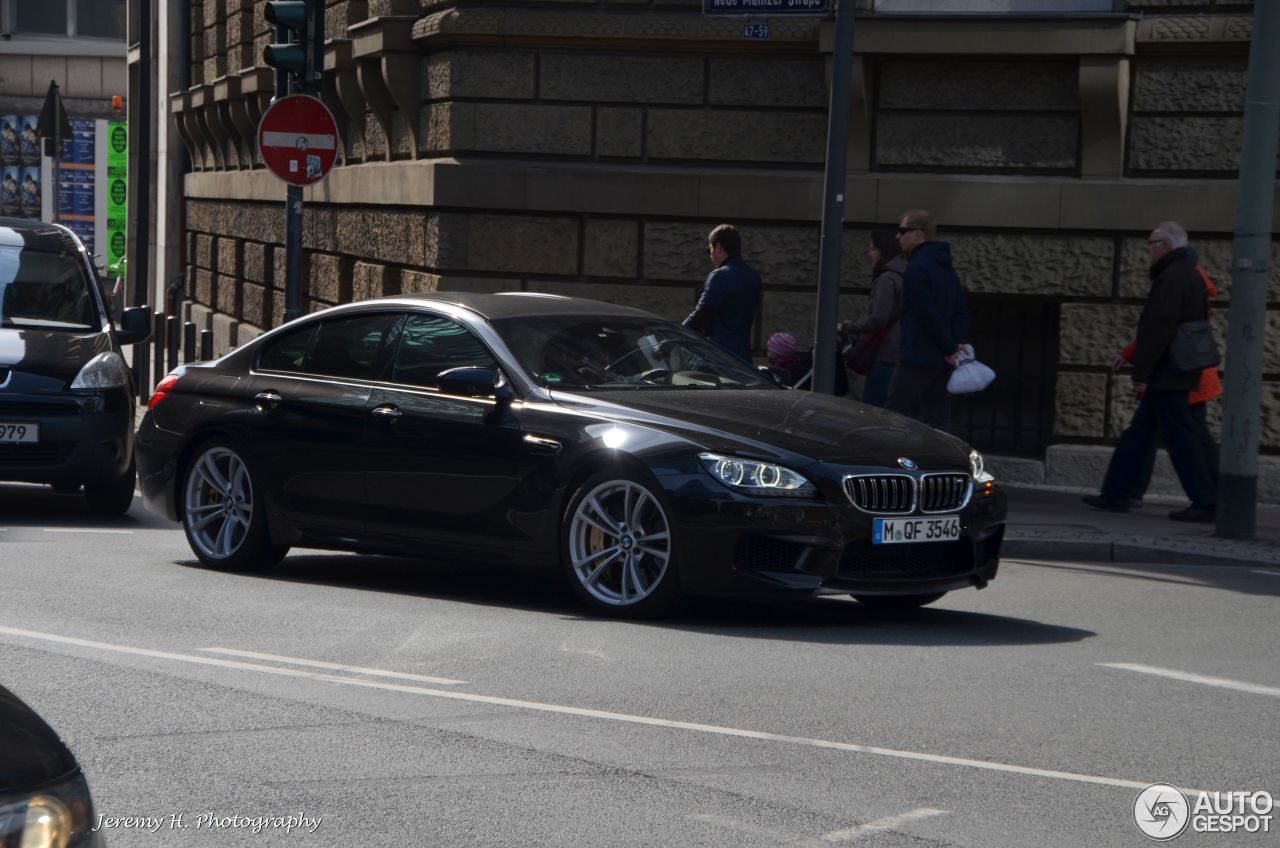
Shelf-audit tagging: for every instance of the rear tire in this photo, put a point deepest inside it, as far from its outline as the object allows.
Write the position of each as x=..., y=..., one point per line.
x=897, y=603
x=616, y=544
x=223, y=510
x=113, y=497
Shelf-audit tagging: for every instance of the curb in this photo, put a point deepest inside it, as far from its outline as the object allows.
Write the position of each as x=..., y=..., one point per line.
x=1136, y=550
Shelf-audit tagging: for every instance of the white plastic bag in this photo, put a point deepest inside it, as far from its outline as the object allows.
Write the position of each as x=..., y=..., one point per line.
x=969, y=375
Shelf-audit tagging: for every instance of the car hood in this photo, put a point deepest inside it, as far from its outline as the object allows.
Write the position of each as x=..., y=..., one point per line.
x=816, y=427
x=58, y=356
x=32, y=753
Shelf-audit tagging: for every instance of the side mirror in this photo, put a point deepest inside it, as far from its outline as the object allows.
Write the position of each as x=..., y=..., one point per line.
x=475, y=382
x=135, y=325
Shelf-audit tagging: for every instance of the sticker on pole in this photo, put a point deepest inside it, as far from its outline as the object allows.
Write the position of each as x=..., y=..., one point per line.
x=298, y=139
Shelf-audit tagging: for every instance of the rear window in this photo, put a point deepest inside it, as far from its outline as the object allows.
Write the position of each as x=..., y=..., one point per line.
x=45, y=290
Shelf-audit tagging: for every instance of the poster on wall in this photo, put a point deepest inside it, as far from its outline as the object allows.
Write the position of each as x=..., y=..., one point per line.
x=117, y=189
x=29, y=143
x=10, y=130
x=9, y=179
x=29, y=192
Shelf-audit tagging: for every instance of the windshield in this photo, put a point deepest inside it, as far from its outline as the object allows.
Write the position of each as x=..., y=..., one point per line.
x=608, y=352
x=45, y=290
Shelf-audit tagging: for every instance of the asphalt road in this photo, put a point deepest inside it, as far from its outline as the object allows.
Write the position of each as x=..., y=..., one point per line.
x=407, y=703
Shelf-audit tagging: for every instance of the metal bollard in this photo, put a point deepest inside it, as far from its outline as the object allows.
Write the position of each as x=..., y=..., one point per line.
x=173, y=338
x=157, y=335
x=206, y=345
x=189, y=342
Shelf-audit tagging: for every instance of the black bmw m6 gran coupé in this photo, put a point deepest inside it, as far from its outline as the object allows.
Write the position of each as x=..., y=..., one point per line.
x=599, y=442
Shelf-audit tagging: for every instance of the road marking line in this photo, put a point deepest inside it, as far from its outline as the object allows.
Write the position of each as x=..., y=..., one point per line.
x=84, y=530
x=354, y=669
x=1268, y=573
x=536, y=706
x=853, y=834
x=1187, y=677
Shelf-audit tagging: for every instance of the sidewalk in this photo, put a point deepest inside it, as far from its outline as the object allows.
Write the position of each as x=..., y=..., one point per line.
x=1056, y=525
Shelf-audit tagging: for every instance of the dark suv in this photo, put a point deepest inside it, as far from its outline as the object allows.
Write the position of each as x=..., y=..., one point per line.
x=66, y=394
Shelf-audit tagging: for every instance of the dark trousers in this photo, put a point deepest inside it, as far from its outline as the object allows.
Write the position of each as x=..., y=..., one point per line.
x=920, y=392
x=1169, y=415
x=1204, y=439
x=876, y=391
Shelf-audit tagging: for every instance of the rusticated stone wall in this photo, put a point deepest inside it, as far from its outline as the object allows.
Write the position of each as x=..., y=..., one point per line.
x=1188, y=115
x=978, y=115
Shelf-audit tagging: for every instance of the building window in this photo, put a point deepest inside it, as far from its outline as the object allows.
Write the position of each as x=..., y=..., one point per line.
x=65, y=18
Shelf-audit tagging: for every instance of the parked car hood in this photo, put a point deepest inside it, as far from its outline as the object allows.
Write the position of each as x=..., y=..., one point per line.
x=32, y=754
x=42, y=353
x=818, y=427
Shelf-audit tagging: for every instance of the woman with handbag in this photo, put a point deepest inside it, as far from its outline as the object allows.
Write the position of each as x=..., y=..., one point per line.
x=875, y=352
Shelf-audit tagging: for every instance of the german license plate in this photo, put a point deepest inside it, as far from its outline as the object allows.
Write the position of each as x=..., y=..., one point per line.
x=15, y=432
x=897, y=531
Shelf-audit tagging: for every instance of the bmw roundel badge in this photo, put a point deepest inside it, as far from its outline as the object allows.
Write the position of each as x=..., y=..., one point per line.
x=906, y=463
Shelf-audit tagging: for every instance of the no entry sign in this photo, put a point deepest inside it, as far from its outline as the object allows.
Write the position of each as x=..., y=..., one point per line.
x=298, y=139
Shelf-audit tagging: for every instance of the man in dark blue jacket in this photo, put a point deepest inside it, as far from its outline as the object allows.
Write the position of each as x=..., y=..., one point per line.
x=727, y=306
x=934, y=323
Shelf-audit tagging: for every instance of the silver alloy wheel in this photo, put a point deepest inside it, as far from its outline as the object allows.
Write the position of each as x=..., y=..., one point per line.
x=619, y=543
x=218, y=505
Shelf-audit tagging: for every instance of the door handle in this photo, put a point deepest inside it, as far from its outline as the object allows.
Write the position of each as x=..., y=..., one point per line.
x=387, y=413
x=267, y=400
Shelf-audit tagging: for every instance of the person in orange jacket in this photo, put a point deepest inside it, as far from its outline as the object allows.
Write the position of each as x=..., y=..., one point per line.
x=1198, y=398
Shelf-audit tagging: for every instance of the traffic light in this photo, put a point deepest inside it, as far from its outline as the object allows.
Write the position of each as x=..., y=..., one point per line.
x=297, y=54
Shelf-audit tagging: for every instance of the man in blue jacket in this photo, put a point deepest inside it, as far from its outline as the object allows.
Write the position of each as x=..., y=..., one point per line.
x=727, y=306
x=934, y=323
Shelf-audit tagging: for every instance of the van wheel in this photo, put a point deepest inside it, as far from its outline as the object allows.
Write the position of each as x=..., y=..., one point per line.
x=113, y=497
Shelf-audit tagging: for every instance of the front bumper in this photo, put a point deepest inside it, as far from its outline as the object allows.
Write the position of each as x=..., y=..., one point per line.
x=84, y=438
x=739, y=545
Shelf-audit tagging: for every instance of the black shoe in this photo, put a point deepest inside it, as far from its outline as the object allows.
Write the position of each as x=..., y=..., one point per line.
x=1103, y=502
x=1135, y=503
x=1195, y=514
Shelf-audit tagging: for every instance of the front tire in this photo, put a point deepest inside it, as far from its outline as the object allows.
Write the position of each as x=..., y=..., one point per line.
x=223, y=511
x=113, y=497
x=897, y=603
x=617, y=547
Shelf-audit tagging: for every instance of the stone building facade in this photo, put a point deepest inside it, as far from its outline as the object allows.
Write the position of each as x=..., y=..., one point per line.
x=586, y=148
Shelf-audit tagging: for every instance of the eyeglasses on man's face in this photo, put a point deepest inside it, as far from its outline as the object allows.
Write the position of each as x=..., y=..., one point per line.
x=902, y=231
x=1154, y=242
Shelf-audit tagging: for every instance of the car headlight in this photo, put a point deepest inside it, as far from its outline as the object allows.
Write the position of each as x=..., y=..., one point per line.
x=58, y=816
x=977, y=469
x=756, y=478
x=105, y=371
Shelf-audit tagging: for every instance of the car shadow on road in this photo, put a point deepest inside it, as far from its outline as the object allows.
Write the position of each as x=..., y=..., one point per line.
x=30, y=505
x=821, y=620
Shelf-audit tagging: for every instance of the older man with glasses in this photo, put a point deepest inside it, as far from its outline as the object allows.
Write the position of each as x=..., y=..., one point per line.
x=1178, y=296
x=934, y=323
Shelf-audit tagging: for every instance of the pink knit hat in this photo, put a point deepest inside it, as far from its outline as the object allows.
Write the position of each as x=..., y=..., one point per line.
x=781, y=345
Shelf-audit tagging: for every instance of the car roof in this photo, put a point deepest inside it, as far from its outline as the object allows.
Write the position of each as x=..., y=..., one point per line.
x=493, y=307
x=36, y=235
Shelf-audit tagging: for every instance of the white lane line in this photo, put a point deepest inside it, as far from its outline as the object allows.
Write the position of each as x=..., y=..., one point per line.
x=354, y=669
x=1187, y=677
x=84, y=530
x=1268, y=573
x=537, y=706
x=852, y=834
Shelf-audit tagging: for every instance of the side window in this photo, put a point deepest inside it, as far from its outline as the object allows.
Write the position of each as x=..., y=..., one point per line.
x=431, y=344
x=355, y=347
x=287, y=352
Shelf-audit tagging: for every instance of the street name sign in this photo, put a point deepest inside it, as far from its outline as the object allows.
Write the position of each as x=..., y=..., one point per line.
x=298, y=139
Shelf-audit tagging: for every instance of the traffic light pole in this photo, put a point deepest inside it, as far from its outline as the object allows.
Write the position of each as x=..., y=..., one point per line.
x=293, y=254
